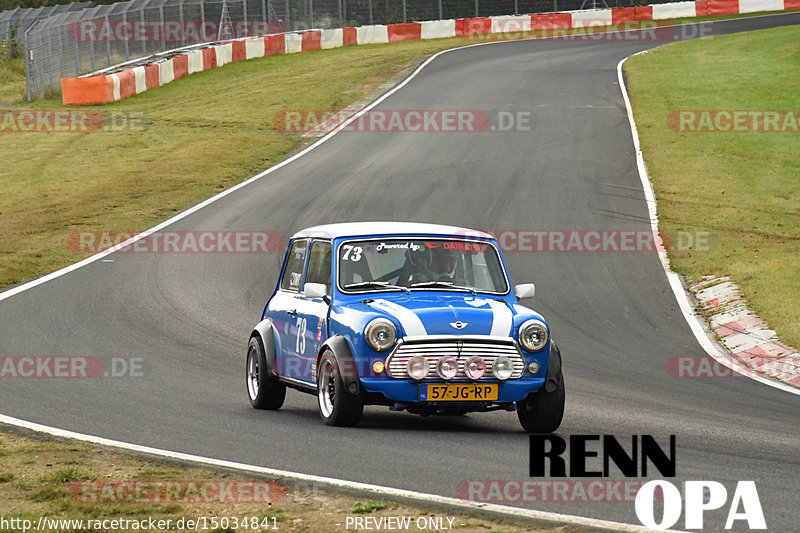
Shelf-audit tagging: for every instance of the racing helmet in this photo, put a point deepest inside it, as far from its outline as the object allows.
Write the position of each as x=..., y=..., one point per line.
x=443, y=262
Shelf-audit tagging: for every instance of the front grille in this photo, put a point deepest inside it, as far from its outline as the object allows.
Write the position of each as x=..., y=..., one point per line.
x=433, y=349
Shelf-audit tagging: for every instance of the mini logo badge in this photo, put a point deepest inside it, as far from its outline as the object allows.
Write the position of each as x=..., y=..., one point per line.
x=459, y=324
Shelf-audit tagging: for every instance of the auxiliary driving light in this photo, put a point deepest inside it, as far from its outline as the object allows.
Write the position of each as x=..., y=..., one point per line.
x=417, y=367
x=502, y=368
x=447, y=367
x=377, y=367
x=533, y=367
x=475, y=367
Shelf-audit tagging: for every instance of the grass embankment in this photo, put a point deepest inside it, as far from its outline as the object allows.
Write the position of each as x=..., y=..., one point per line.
x=206, y=132
x=744, y=187
x=58, y=480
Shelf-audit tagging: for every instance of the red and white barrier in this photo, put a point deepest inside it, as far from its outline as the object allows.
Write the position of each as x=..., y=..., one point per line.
x=754, y=6
x=165, y=72
x=511, y=24
x=332, y=38
x=437, y=29
x=372, y=34
x=195, y=61
x=673, y=10
x=224, y=54
x=254, y=48
x=294, y=43
x=140, y=79
x=104, y=88
x=591, y=18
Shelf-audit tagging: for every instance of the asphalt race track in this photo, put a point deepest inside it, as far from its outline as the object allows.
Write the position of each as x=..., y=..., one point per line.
x=187, y=316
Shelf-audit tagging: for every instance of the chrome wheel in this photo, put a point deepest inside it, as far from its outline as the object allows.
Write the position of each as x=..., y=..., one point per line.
x=263, y=390
x=326, y=388
x=252, y=374
x=337, y=406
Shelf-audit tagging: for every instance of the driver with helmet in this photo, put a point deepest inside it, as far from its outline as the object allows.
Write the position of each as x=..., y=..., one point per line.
x=432, y=263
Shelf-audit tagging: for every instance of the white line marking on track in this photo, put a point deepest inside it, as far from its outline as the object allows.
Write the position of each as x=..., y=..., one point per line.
x=421, y=497
x=400, y=493
x=410, y=495
x=674, y=281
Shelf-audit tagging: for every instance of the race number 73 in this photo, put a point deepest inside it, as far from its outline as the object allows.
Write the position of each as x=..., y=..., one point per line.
x=351, y=253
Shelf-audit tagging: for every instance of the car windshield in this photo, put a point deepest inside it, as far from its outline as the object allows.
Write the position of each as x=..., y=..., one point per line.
x=420, y=264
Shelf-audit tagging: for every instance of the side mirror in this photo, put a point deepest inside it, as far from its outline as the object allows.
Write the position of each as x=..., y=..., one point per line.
x=315, y=290
x=525, y=290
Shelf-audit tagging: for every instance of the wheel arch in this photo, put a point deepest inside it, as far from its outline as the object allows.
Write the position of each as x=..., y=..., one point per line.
x=554, y=368
x=340, y=348
x=266, y=332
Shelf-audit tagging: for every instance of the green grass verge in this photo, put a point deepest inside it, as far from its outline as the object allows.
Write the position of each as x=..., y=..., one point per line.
x=207, y=131
x=742, y=186
x=50, y=488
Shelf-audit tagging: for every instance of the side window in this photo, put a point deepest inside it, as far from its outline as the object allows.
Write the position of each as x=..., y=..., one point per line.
x=293, y=274
x=319, y=266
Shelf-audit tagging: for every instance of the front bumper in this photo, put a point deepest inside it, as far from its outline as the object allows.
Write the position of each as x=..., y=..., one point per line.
x=407, y=390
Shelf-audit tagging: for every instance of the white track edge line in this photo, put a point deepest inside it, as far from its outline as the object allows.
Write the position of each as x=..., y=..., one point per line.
x=577, y=520
x=674, y=280
x=412, y=495
x=465, y=506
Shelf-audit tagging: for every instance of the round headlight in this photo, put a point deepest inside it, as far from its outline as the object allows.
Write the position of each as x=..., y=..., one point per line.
x=533, y=335
x=475, y=367
x=417, y=367
x=502, y=368
x=380, y=334
x=447, y=367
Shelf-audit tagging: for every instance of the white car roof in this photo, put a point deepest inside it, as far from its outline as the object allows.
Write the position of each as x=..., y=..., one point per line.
x=361, y=229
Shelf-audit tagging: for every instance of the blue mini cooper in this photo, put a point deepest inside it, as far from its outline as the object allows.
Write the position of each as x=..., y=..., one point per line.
x=417, y=317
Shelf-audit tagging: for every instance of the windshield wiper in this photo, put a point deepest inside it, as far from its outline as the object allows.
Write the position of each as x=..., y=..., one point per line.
x=448, y=284
x=375, y=284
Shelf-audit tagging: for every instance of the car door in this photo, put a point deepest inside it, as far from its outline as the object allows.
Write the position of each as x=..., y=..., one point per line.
x=312, y=313
x=283, y=310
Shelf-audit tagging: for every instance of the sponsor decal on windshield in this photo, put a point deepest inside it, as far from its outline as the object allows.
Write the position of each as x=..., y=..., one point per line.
x=464, y=246
x=398, y=245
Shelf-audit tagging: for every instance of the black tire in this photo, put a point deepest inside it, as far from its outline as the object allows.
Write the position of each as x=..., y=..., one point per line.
x=542, y=411
x=263, y=389
x=337, y=407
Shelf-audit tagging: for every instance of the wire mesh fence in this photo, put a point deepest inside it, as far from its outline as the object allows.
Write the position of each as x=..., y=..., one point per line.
x=76, y=39
x=15, y=21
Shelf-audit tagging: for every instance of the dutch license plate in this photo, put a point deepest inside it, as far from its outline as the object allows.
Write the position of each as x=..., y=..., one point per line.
x=452, y=392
